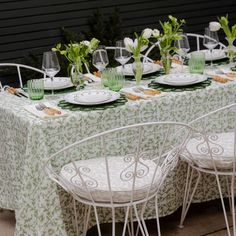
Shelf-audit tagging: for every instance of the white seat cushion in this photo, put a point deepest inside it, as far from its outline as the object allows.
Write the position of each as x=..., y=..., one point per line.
x=93, y=171
x=222, y=147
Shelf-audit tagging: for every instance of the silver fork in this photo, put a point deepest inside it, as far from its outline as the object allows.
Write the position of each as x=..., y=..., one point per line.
x=137, y=90
x=41, y=106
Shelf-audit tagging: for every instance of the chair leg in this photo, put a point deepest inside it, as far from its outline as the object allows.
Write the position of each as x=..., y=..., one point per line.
x=232, y=205
x=187, y=197
x=142, y=218
x=126, y=221
x=86, y=219
x=157, y=217
x=113, y=221
x=97, y=221
x=140, y=226
x=223, y=204
x=76, y=219
x=131, y=220
x=229, y=193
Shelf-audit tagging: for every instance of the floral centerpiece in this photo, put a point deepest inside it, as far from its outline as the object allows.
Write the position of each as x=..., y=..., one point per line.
x=230, y=33
x=77, y=56
x=171, y=31
x=136, y=47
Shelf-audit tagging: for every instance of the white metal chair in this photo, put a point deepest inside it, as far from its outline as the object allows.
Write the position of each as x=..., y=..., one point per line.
x=212, y=150
x=119, y=168
x=198, y=39
x=19, y=67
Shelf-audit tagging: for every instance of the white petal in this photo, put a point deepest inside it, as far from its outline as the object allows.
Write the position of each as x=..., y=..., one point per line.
x=129, y=44
x=155, y=33
x=135, y=45
x=147, y=33
x=214, y=26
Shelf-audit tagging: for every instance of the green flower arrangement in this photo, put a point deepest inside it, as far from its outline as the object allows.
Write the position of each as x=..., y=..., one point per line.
x=136, y=47
x=77, y=55
x=171, y=31
x=230, y=33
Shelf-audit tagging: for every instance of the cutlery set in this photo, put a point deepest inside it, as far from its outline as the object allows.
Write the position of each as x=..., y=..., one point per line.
x=47, y=110
x=137, y=93
x=15, y=92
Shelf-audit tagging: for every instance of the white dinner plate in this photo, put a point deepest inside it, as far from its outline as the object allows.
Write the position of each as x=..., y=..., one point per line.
x=216, y=54
x=148, y=68
x=57, y=83
x=180, y=79
x=91, y=97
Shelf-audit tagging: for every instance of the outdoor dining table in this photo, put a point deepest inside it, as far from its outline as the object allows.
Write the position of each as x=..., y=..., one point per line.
x=41, y=207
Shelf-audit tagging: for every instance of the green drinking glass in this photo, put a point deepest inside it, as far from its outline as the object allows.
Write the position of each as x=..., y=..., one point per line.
x=197, y=62
x=35, y=89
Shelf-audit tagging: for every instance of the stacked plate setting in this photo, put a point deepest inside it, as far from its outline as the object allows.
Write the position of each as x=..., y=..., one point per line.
x=91, y=97
x=57, y=83
x=148, y=68
x=180, y=79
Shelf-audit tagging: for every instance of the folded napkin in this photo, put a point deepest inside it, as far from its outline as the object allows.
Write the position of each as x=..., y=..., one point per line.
x=45, y=110
x=228, y=72
x=220, y=76
x=92, y=78
x=141, y=92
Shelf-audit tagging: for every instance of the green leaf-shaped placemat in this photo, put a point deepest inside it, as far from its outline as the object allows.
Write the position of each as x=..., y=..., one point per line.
x=73, y=107
x=168, y=88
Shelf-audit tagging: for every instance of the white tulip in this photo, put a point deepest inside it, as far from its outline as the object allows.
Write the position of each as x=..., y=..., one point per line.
x=129, y=44
x=155, y=33
x=214, y=26
x=135, y=45
x=86, y=43
x=147, y=33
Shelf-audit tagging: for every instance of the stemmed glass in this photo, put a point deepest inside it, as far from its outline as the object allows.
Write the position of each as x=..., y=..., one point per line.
x=122, y=55
x=210, y=41
x=183, y=47
x=100, y=58
x=50, y=65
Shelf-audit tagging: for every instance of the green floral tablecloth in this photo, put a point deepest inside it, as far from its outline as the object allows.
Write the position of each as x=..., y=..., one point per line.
x=44, y=209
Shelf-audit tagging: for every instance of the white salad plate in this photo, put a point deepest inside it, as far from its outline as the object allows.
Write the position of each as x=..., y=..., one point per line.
x=57, y=83
x=91, y=97
x=216, y=54
x=180, y=79
x=148, y=68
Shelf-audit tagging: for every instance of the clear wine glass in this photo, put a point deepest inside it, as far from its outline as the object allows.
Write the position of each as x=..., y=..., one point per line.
x=183, y=48
x=122, y=55
x=210, y=41
x=100, y=58
x=50, y=65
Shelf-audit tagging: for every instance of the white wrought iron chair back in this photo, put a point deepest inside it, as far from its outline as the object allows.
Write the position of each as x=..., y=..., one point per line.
x=19, y=67
x=212, y=149
x=198, y=38
x=122, y=167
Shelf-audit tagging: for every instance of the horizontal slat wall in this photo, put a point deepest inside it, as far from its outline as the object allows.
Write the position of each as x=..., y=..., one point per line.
x=33, y=26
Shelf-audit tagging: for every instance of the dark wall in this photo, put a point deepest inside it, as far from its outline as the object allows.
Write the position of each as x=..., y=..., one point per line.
x=34, y=25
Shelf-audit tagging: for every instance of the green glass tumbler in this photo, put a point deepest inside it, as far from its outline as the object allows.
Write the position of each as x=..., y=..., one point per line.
x=197, y=62
x=113, y=79
x=35, y=89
